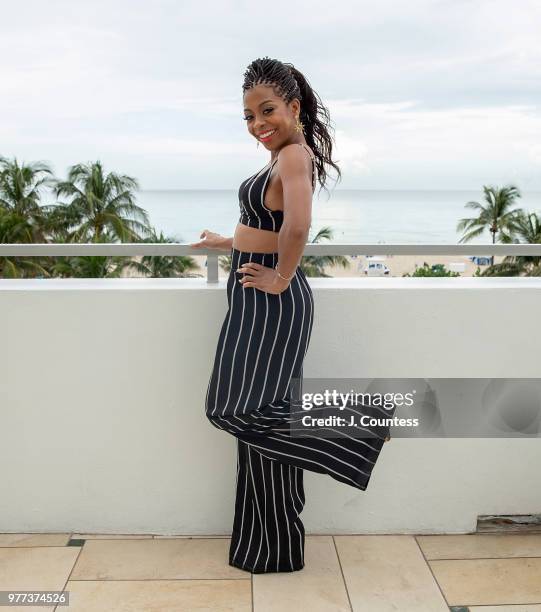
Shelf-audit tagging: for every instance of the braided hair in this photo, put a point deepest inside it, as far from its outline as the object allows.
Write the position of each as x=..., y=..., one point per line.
x=289, y=83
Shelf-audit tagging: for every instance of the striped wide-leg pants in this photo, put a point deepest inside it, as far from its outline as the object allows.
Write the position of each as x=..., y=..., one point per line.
x=261, y=347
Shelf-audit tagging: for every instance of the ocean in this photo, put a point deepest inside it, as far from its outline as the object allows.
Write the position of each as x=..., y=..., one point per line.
x=354, y=216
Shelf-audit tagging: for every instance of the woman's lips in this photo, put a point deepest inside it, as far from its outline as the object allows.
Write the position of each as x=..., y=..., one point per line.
x=268, y=137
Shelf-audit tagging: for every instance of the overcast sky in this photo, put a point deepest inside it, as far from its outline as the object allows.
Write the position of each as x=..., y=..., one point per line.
x=422, y=94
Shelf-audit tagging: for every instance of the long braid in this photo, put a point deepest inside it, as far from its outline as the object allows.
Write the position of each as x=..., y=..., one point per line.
x=290, y=83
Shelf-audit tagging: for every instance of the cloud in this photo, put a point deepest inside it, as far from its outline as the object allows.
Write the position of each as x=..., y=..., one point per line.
x=442, y=91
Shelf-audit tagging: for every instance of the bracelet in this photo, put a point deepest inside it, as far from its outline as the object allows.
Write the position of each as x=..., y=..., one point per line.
x=283, y=277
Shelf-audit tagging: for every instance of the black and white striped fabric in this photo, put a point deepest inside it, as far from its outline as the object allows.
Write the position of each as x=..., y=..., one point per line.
x=268, y=534
x=261, y=347
x=253, y=211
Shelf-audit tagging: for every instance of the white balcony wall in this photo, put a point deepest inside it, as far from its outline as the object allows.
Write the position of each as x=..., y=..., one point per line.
x=102, y=388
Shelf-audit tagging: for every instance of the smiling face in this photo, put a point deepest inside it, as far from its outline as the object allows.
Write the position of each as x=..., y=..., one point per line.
x=268, y=118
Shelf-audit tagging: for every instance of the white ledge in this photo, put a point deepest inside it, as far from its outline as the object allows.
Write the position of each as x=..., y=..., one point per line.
x=134, y=284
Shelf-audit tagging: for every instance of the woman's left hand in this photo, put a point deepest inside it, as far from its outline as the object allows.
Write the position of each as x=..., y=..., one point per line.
x=261, y=277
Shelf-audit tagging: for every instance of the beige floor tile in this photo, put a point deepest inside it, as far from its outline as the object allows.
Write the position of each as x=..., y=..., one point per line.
x=489, y=581
x=34, y=539
x=155, y=559
x=388, y=573
x=318, y=587
x=160, y=595
x=477, y=546
x=41, y=568
x=519, y=608
x=111, y=536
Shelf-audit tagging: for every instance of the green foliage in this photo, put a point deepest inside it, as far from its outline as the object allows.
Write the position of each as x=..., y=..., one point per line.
x=314, y=265
x=99, y=207
x=507, y=225
x=433, y=270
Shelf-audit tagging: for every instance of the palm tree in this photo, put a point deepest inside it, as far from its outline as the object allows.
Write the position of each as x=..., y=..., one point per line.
x=21, y=217
x=524, y=228
x=314, y=265
x=495, y=215
x=101, y=209
x=16, y=229
x=21, y=185
x=165, y=266
x=91, y=266
x=99, y=203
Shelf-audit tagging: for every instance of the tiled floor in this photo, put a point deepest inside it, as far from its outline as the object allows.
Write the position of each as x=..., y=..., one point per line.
x=373, y=573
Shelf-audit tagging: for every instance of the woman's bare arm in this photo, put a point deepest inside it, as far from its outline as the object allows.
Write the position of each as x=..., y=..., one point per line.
x=211, y=240
x=297, y=188
x=227, y=244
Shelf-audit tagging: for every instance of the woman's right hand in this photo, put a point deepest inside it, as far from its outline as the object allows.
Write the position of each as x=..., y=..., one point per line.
x=211, y=240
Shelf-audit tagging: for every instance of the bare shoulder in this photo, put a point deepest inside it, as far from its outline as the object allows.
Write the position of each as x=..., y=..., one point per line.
x=293, y=158
x=295, y=150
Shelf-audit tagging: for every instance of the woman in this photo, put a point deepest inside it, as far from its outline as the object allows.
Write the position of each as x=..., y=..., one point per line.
x=266, y=332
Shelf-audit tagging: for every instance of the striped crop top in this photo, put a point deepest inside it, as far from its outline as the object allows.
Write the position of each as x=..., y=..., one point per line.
x=253, y=211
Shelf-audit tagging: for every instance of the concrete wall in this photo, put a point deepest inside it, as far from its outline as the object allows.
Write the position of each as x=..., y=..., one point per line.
x=102, y=388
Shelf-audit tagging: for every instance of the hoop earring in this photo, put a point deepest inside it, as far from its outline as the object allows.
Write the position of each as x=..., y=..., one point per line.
x=299, y=126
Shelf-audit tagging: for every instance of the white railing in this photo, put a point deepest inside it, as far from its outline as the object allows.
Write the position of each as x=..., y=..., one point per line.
x=177, y=249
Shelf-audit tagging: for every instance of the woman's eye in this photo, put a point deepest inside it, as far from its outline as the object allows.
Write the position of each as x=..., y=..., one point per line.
x=250, y=116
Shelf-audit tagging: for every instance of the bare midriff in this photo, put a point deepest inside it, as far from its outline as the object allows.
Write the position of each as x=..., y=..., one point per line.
x=254, y=240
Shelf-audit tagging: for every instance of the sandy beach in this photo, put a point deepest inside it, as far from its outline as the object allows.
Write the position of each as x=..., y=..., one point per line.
x=397, y=264
x=402, y=264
